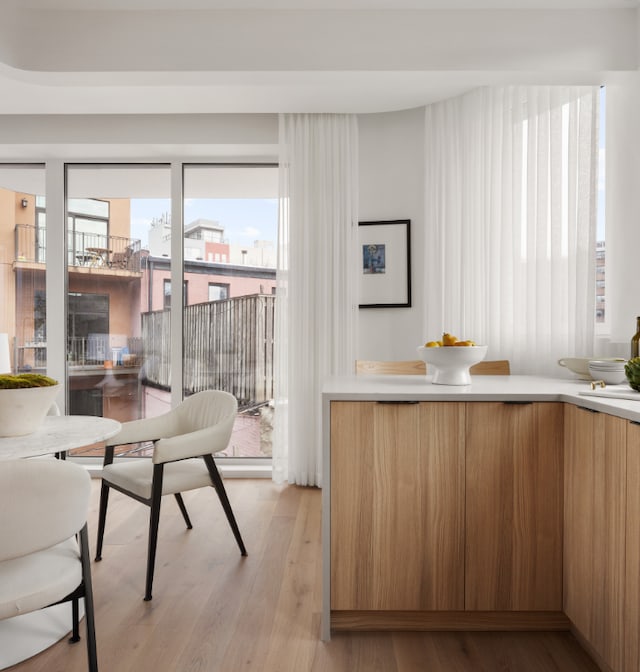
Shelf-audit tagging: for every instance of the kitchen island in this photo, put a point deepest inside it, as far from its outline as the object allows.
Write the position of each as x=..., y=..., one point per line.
x=511, y=503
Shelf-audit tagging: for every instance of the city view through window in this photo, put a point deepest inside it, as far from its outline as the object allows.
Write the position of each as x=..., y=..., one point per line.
x=119, y=269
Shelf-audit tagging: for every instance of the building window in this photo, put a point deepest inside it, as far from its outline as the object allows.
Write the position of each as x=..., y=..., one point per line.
x=167, y=293
x=218, y=291
x=88, y=227
x=88, y=327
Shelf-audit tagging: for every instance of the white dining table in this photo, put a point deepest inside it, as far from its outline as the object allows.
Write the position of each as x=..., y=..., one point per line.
x=24, y=636
x=59, y=434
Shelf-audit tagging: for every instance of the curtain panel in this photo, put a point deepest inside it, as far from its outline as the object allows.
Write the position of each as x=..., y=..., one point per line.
x=511, y=212
x=316, y=298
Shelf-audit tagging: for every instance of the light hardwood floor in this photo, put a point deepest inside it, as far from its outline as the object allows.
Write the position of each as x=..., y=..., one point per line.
x=213, y=611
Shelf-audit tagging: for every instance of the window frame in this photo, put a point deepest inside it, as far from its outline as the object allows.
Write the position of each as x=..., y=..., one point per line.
x=220, y=285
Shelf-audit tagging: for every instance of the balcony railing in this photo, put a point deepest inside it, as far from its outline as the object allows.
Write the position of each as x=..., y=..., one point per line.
x=95, y=349
x=83, y=249
x=228, y=345
x=82, y=353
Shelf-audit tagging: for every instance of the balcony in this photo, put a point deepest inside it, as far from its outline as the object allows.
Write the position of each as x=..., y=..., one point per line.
x=86, y=252
x=228, y=345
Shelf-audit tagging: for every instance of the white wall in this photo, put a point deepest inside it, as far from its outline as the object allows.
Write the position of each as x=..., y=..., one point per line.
x=623, y=209
x=392, y=187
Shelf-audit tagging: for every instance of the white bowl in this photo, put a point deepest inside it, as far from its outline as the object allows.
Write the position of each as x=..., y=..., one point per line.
x=579, y=365
x=608, y=364
x=23, y=410
x=611, y=376
x=451, y=363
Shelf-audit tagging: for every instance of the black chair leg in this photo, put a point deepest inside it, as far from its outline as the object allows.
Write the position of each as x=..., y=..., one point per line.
x=154, y=520
x=102, y=518
x=75, y=621
x=92, y=653
x=183, y=510
x=224, y=500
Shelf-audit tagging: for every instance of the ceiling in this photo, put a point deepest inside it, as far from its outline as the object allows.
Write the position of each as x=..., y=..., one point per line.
x=73, y=56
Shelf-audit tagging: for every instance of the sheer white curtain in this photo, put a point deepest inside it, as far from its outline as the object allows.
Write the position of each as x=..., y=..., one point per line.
x=316, y=298
x=511, y=201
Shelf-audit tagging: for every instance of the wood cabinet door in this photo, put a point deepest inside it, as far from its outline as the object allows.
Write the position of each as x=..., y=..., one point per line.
x=594, y=528
x=513, y=506
x=632, y=570
x=397, y=502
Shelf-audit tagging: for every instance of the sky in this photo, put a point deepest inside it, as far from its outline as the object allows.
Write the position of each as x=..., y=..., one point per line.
x=244, y=220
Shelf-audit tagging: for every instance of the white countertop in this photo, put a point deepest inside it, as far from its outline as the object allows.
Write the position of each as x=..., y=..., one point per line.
x=482, y=388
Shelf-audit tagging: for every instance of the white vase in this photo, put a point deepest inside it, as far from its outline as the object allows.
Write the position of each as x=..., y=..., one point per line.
x=22, y=410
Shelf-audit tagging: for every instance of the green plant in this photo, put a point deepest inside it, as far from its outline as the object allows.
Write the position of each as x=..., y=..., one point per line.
x=632, y=371
x=10, y=382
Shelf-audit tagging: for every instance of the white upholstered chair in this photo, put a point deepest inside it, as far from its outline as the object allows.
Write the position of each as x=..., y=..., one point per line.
x=185, y=440
x=44, y=550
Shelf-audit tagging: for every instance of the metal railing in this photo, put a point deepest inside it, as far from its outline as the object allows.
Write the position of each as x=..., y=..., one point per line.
x=83, y=249
x=95, y=349
x=228, y=345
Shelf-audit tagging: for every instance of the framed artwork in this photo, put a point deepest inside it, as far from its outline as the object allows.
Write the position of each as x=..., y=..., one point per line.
x=385, y=264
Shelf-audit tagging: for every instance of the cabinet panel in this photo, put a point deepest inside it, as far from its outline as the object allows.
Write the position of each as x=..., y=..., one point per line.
x=580, y=514
x=397, y=506
x=632, y=577
x=442, y=504
x=351, y=503
x=595, y=502
x=513, y=506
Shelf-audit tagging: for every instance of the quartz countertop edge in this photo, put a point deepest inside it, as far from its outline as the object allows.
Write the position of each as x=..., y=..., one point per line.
x=514, y=388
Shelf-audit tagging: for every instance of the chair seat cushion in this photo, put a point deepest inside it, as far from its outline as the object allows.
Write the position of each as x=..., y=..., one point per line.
x=134, y=475
x=33, y=581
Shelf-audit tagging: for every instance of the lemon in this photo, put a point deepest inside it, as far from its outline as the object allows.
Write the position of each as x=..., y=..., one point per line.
x=448, y=339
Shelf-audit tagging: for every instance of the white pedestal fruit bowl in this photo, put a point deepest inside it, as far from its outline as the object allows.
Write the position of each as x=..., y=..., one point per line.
x=450, y=364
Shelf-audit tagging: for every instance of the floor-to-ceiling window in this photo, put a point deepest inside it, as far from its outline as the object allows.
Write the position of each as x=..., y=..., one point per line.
x=118, y=270
x=229, y=241
x=22, y=265
x=116, y=365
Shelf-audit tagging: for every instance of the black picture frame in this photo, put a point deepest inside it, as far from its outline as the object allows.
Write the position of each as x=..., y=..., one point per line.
x=384, y=253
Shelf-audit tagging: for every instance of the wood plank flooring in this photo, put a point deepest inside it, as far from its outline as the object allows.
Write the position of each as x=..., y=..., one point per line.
x=214, y=611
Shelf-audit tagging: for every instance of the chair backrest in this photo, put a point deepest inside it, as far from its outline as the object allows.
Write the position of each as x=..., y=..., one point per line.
x=498, y=367
x=205, y=409
x=42, y=503
x=201, y=424
x=400, y=368
x=199, y=411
